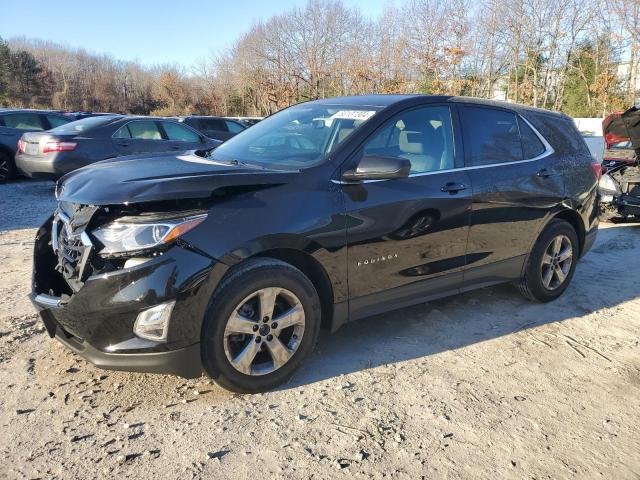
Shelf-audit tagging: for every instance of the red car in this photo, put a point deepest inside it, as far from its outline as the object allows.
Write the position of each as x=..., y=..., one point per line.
x=620, y=186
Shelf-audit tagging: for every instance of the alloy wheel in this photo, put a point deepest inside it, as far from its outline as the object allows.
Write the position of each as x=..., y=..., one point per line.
x=4, y=168
x=556, y=262
x=264, y=331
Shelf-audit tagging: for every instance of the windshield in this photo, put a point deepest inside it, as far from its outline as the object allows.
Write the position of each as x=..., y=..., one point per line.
x=297, y=137
x=83, y=125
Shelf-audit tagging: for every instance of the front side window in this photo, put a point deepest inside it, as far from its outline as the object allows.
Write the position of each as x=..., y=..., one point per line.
x=139, y=130
x=424, y=136
x=297, y=137
x=23, y=121
x=180, y=133
x=492, y=136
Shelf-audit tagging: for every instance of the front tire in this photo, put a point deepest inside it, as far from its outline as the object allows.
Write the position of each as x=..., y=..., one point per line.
x=551, y=263
x=262, y=321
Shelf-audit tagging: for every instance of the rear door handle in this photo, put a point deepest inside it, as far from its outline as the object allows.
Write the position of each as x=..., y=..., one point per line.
x=544, y=173
x=123, y=144
x=453, y=187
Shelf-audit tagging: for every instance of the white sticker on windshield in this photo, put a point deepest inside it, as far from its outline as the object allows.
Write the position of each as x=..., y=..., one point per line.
x=361, y=115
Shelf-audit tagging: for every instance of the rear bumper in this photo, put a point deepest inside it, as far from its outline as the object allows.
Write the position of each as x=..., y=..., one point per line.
x=35, y=167
x=589, y=240
x=52, y=166
x=184, y=362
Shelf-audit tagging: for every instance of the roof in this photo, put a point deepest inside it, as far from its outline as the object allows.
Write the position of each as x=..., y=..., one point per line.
x=30, y=110
x=385, y=100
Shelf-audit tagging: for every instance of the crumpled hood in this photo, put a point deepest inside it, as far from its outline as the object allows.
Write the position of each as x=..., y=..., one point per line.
x=623, y=126
x=157, y=177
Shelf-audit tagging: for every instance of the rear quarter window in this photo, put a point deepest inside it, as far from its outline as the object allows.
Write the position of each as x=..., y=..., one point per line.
x=561, y=133
x=532, y=146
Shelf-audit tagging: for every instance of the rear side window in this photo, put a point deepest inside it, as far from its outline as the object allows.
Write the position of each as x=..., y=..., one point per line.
x=491, y=136
x=56, y=120
x=234, y=127
x=23, y=121
x=531, y=144
x=139, y=130
x=178, y=132
x=212, y=124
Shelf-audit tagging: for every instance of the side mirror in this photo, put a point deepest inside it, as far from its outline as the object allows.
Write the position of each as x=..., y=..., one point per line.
x=378, y=167
x=204, y=139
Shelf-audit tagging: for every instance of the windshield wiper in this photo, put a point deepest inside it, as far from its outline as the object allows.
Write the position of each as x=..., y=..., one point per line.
x=235, y=162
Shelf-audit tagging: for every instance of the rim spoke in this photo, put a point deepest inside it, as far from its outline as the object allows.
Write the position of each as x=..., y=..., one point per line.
x=565, y=254
x=267, y=301
x=293, y=316
x=240, y=324
x=245, y=358
x=279, y=352
x=547, y=259
x=557, y=245
x=560, y=274
x=547, y=277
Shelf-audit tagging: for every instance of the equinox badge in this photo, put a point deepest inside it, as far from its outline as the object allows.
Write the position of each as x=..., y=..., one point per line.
x=370, y=261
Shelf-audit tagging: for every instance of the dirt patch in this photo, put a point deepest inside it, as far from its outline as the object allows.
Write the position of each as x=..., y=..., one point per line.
x=482, y=385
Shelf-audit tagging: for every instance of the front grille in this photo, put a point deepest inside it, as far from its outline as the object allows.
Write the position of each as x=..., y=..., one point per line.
x=73, y=249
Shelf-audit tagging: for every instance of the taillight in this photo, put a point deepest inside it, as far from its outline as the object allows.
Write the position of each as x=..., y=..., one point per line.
x=597, y=169
x=20, y=146
x=59, y=147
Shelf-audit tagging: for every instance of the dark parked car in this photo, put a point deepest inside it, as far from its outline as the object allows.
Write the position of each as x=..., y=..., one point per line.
x=218, y=128
x=86, y=114
x=325, y=212
x=247, y=121
x=59, y=151
x=15, y=122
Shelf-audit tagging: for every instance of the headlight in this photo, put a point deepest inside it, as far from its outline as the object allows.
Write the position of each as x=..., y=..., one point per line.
x=128, y=236
x=608, y=186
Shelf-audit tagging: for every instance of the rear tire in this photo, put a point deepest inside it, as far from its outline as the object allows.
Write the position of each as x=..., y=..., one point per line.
x=551, y=263
x=7, y=168
x=243, y=347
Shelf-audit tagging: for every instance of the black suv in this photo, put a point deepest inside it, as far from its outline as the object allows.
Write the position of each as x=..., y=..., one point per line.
x=218, y=128
x=325, y=212
x=15, y=122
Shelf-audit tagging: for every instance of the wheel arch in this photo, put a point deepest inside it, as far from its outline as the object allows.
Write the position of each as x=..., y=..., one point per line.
x=572, y=217
x=313, y=269
x=7, y=151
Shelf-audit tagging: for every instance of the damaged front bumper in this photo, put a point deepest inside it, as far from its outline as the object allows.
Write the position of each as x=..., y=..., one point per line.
x=97, y=319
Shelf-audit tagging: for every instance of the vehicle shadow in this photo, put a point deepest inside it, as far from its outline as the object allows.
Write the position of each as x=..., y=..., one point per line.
x=459, y=321
x=25, y=204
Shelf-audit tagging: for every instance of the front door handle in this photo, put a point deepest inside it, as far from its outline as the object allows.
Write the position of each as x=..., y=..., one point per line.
x=453, y=188
x=123, y=144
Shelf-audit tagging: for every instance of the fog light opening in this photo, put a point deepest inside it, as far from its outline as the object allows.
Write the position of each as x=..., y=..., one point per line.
x=153, y=323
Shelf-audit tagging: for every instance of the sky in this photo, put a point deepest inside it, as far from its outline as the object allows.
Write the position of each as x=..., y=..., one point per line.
x=149, y=31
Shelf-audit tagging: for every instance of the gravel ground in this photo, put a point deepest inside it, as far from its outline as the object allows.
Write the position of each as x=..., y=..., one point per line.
x=483, y=385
